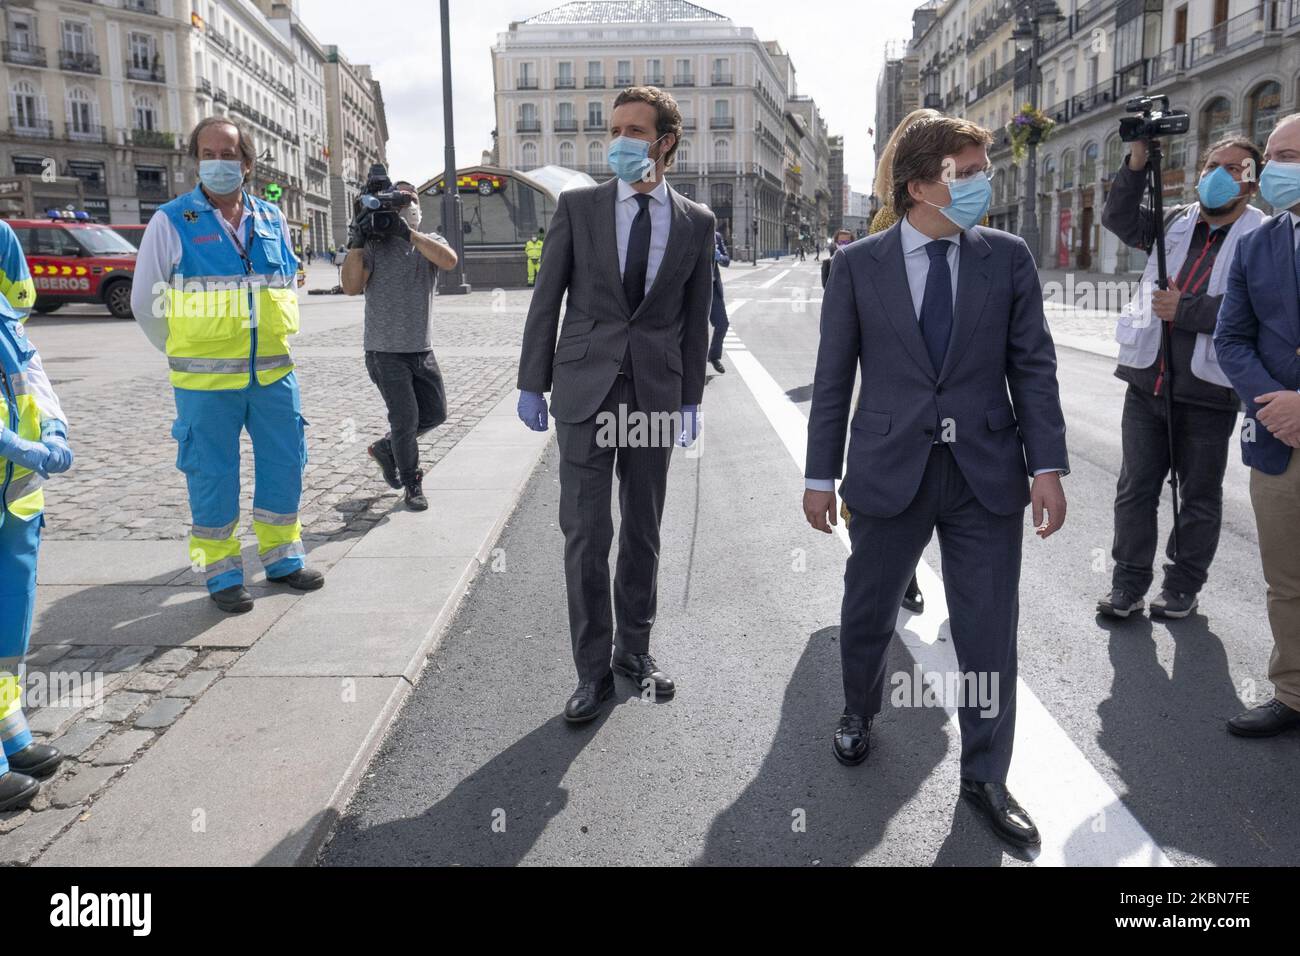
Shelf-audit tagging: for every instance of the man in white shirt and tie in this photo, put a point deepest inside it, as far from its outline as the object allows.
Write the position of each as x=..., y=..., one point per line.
x=958, y=410
x=626, y=377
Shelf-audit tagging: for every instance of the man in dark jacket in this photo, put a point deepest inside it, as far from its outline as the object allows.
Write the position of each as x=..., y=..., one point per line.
x=1200, y=241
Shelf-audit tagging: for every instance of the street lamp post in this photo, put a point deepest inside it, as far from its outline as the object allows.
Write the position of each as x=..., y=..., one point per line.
x=1032, y=14
x=455, y=284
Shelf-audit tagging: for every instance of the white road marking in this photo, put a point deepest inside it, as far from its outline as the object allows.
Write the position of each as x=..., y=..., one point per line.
x=775, y=279
x=1082, y=821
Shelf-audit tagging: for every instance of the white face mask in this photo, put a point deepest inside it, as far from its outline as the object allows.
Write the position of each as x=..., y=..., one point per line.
x=411, y=215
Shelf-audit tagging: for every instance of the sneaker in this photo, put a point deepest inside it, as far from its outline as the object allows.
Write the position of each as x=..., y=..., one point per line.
x=383, y=456
x=415, y=499
x=1173, y=604
x=1119, y=603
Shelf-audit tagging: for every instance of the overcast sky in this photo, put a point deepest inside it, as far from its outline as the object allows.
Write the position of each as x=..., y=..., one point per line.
x=837, y=47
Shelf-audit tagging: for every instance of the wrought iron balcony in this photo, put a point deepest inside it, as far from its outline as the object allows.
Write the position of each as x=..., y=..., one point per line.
x=566, y=126
x=594, y=83
x=153, y=139
x=23, y=55
x=152, y=73
x=565, y=83
x=526, y=83
x=721, y=79
x=528, y=126
x=30, y=128
x=78, y=62
x=683, y=79
x=84, y=134
x=722, y=122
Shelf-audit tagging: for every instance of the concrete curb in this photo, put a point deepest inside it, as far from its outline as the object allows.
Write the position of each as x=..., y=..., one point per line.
x=267, y=757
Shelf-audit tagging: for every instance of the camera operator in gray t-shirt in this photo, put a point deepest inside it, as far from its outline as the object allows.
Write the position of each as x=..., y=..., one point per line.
x=397, y=271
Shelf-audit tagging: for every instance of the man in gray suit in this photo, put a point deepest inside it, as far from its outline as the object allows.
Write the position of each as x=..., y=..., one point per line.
x=959, y=406
x=626, y=380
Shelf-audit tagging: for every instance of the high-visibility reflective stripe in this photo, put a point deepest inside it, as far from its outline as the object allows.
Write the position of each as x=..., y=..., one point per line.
x=11, y=704
x=291, y=550
x=255, y=279
x=20, y=384
x=221, y=567
x=273, y=361
x=21, y=487
x=208, y=366
x=270, y=517
x=214, y=534
x=13, y=723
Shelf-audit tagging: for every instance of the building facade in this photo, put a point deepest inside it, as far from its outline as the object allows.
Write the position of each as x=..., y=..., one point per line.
x=556, y=76
x=836, y=182
x=357, y=130
x=98, y=92
x=310, y=124
x=245, y=69
x=1232, y=65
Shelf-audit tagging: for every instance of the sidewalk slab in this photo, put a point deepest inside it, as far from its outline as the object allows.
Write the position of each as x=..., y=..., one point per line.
x=156, y=616
x=243, y=768
x=93, y=563
x=268, y=757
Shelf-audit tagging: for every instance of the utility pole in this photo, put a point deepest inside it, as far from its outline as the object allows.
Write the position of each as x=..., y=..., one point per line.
x=455, y=284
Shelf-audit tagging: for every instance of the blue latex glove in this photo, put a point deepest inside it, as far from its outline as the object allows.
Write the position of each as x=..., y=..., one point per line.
x=28, y=454
x=54, y=435
x=532, y=410
x=690, y=425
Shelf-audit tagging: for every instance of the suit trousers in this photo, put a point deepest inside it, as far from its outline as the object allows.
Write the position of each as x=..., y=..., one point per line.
x=980, y=554
x=589, y=458
x=1276, y=500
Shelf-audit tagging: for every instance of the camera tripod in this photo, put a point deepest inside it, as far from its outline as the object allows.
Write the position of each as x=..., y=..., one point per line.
x=1165, y=378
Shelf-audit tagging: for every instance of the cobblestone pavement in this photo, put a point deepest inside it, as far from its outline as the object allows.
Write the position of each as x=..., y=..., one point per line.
x=103, y=705
x=125, y=484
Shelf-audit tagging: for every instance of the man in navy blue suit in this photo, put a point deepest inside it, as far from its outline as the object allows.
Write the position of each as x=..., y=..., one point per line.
x=1258, y=344
x=959, y=408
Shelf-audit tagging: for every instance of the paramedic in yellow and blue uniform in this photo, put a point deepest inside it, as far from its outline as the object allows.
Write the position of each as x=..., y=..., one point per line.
x=33, y=446
x=214, y=290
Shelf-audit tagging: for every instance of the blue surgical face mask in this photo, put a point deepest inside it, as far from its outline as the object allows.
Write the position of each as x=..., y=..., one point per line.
x=1217, y=189
x=1279, y=184
x=970, y=199
x=221, y=176
x=629, y=158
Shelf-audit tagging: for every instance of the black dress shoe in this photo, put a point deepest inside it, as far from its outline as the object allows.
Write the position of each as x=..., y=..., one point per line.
x=852, y=740
x=233, y=600
x=1119, y=603
x=383, y=456
x=304, y=579
x=17, y=790
x=584, y=705
x=913, y=600
x=642, y=667
x=1266, y=720
x=717, y=366
x=1009, y=819
x=36, y=760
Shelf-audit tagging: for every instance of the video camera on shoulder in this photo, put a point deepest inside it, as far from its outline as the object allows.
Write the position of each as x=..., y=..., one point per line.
x=1152, y=122
x=380, y=205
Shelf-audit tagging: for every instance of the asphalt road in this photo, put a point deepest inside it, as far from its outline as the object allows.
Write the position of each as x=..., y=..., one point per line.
x=737, y=769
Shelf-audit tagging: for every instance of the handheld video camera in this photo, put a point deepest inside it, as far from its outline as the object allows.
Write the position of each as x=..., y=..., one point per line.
x=380, y=205
x=1152, y=122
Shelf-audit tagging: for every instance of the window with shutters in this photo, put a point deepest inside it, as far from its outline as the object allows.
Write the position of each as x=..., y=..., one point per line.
x=83, y=114
x=27, y=107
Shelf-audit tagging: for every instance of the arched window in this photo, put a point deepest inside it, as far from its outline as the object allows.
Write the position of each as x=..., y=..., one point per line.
x=1263, y=109
x=1114, y=153
x=596, y=154
x=1088, y=172
x=146, y=113
x=1067, y=169
x=567, y=154
x=529, y=156
x=83, y=113
x=1047, y=179
x=1216, y=120
x=722, y=151
x=683, y=154
x=26, y=106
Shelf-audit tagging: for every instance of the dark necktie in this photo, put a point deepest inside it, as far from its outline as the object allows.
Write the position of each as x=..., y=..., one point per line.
x=936, y=305
x=638, y=254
